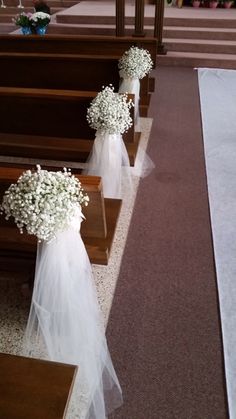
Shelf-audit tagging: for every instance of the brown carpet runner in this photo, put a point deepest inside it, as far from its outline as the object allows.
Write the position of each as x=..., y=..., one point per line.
x=164, y=329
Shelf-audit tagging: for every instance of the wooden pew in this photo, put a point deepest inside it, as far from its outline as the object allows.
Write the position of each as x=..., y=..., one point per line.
x=65, y=71
x=108, y=46
x=34, y=387
x=76, y=44
x=58, y=71
x=97, y=230
x=47, y=119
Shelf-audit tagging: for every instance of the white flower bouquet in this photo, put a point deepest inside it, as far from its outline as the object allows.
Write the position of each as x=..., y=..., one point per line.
x=43, y=202
x=110, y=112
x=135, y=63
x=40, y=19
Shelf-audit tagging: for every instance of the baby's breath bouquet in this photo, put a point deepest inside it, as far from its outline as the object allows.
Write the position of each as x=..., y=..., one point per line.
x=109, y=115
x=43, y=202
x=110, y=112
x=135, y=63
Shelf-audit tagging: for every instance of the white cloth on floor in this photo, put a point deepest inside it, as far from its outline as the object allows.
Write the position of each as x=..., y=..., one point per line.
x=218, y=108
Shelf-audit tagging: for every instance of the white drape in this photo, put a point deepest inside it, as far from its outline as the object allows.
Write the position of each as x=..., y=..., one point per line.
x=109, y=159
x=132, y=86
x=65, y=319
x=143, y=163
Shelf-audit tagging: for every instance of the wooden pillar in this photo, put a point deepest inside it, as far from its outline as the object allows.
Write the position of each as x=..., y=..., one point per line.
x=120, y=17
x=158, y=27
x=139, y=18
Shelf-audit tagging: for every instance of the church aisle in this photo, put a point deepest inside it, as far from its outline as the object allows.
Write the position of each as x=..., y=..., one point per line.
x=164, y=330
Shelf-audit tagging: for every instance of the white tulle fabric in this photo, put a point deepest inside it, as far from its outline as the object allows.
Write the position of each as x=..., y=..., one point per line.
x=143, y=163
x=109, y=159
x=65, y=319
x=132, y=86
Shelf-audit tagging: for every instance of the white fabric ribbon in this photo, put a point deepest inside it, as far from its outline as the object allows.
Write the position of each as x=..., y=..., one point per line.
x=65, y=319
x=132, y=86
x=143, y=163
x=108, y=159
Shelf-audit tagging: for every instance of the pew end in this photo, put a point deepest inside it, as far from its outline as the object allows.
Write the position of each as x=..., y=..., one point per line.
x=97, y=230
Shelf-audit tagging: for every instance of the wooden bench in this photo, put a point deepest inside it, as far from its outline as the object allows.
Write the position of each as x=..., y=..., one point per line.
x=76, y=44
x=97, y=230
x=34, y=388
x=43, y=116
x=66, y=72
x=58, y=71
x=109, y=46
